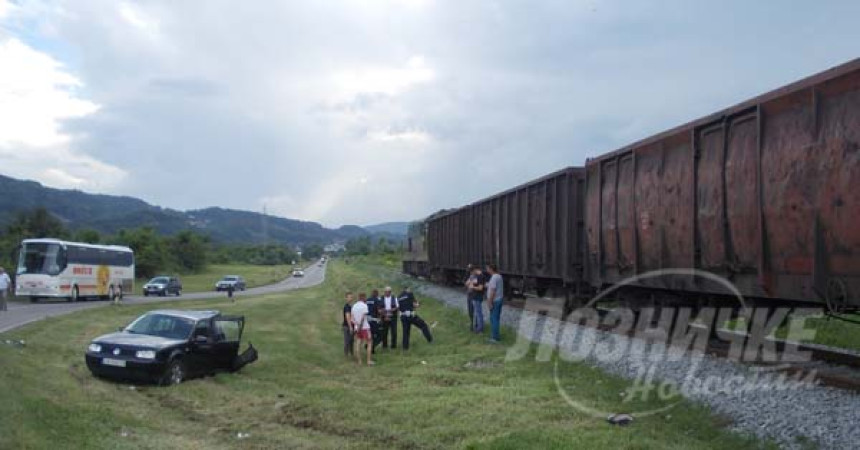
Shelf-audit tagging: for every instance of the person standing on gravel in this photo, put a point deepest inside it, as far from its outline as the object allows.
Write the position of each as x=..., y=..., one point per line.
x=470, y=276
x=476, y=299
x=5, y=288
x=495, y=297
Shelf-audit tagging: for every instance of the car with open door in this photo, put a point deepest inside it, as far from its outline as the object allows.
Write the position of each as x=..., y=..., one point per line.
x=170, y=346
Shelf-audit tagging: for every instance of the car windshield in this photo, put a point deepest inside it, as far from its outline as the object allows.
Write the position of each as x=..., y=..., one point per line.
x=158, y=280
x=162, y=325
x=230, y=278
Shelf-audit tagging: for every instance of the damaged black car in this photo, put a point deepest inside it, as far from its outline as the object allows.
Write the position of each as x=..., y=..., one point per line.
x=170, y=346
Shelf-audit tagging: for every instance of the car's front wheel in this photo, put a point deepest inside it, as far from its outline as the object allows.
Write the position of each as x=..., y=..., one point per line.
x=174, y=374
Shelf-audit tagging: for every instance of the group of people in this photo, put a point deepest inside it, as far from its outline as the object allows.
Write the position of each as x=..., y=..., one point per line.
x=370, y=321
x=485, y=287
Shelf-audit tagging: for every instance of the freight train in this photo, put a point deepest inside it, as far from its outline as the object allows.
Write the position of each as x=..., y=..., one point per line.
x=764, y=194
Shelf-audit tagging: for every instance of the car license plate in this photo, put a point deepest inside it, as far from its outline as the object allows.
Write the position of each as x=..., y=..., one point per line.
x=113, y=362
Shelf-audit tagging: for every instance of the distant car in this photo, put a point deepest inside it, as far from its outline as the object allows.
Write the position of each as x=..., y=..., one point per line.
x=170, y=346
x=237, y=282
x=298, y=273
x=162, y=286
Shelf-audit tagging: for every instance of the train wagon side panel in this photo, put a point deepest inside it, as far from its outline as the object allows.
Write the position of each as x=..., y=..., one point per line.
x=534, y=231
x=765, y=194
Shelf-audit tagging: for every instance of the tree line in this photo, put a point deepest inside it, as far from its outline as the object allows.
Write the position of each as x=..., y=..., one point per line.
x=183, y=252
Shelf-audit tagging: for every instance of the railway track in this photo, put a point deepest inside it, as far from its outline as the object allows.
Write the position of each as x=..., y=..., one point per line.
x=826, y=366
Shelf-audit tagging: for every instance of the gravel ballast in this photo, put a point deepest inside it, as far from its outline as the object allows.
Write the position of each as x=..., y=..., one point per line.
x=791, y=417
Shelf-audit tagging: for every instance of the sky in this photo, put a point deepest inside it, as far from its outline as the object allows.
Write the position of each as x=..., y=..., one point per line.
x=360, y=112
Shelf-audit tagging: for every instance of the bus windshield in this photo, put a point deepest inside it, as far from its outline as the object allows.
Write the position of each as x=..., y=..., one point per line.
x=41, y=258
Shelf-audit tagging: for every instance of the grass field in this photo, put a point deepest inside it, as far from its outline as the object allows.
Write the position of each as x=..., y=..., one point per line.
x=831, y=332
x=302, y=393
x=254, y=276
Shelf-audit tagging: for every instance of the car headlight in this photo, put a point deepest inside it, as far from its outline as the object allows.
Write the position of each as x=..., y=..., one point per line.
x=145, y=354
x=95, y=348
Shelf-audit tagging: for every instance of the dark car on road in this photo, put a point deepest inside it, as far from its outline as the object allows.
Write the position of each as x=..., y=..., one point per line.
x=237, y=283
x=170, y=346
x=163, y=286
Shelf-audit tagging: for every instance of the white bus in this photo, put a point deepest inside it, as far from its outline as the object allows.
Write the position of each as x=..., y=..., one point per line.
x=71, y=270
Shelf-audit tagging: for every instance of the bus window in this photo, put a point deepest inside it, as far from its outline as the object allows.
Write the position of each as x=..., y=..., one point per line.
x=39, y=258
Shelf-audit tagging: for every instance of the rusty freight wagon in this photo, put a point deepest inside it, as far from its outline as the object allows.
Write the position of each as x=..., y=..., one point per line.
x=534, y=232
x=765, y=194
x=415, y=250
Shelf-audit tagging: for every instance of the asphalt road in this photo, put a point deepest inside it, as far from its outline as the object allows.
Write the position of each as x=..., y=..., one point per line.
x=23, y=313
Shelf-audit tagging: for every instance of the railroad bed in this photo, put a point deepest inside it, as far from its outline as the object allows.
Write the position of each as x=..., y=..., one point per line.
x=824, y=414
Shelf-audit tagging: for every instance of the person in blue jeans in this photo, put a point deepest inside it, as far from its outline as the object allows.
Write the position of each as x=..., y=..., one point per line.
x=476, y=284
x=495, y=297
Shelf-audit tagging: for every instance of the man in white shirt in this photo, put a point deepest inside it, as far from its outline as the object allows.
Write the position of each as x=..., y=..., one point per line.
x=5, y=287
x=361, y=325
x=389, y=312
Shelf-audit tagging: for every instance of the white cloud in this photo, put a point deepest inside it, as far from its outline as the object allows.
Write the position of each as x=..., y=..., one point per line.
x=139, y=19
x=387, y=135
x=382, y=80
x=36, y=95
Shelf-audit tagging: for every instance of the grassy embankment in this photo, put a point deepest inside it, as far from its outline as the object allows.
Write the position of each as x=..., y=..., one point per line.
x=304, y=394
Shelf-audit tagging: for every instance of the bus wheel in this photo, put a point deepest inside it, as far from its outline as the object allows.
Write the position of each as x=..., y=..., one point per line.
x=74, y=296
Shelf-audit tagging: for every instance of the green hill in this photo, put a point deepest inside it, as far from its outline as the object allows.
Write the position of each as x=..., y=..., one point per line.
x=110, y=213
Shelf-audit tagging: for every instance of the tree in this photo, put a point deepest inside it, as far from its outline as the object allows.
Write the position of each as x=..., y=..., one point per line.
x=88, y=236
x=359, y=246
x=149, y=250
x=188, y=249
x=313, y=251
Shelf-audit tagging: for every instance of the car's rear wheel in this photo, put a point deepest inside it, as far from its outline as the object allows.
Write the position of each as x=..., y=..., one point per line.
x=174, y=374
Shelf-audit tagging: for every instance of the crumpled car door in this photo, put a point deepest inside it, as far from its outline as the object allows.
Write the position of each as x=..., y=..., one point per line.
x=228, y=339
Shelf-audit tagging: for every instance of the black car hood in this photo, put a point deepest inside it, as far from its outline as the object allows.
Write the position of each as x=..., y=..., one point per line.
x=138, y=340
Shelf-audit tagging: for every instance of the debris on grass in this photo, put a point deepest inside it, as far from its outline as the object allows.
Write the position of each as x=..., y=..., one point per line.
x=424, y=362
x=480, y=364
x=17, y=344
x=241, y=435
x=620, y=419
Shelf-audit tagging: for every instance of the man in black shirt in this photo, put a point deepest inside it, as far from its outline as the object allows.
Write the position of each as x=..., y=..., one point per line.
x=476, y=283
x=347, y=326
x=373, y=317
x=409, y=317
x=466, y=283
